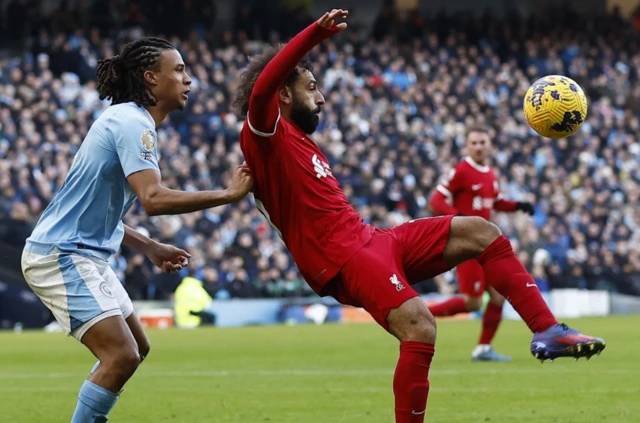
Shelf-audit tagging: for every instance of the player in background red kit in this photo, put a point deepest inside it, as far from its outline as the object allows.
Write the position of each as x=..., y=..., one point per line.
x=471, y=189
x=339, y=255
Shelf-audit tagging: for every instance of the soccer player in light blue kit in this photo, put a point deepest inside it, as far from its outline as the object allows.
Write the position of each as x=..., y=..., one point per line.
x=65, y=258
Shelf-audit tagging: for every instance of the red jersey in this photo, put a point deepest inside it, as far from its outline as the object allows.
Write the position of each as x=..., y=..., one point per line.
x=293, y=184
x=470, y=189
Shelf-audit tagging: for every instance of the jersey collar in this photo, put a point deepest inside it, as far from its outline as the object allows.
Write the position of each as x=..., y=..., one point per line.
x=147, y=114
x=476, y=166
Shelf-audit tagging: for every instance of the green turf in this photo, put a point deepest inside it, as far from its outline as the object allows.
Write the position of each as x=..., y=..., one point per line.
x=327, y=374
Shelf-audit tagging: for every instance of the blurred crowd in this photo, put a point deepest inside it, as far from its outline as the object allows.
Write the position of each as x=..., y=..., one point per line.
x=394, y=121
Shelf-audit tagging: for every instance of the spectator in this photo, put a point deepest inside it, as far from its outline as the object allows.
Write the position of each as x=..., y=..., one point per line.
x=190, y=303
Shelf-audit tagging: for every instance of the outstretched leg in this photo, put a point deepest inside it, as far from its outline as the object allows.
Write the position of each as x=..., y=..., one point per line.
x=475, y=238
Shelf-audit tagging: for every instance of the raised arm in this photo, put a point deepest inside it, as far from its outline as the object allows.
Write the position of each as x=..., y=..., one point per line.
x=263, y=104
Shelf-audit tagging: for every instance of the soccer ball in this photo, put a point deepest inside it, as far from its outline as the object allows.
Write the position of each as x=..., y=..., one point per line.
x=555, y=106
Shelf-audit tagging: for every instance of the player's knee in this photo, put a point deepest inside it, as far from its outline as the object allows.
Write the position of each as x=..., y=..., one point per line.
x=473, y=303
x=413, y=322
x=481, y=233
x=420, y=327
x=125, y=362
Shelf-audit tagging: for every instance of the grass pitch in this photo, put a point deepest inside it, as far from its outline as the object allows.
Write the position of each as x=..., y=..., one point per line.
x=328, y=374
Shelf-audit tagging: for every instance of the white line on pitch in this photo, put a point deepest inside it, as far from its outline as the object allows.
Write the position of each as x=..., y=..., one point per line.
x=142, y=373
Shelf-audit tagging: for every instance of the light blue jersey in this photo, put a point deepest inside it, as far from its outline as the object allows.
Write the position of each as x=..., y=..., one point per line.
x=85, y=216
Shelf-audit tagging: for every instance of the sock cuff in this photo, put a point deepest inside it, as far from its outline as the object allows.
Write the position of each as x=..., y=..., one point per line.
x=417, y=347
x=499, y=248
x=97, y=397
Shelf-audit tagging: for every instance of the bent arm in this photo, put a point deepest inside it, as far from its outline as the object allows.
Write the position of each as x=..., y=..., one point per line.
x=159, y=200
x=439, y=202
x=502, y=205
x=263, y=104
x=136, y=240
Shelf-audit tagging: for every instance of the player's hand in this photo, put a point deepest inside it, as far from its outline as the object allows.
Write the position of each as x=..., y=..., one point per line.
x=526, y=207
x=168, y=258
x=328, y=20
x=241, y=183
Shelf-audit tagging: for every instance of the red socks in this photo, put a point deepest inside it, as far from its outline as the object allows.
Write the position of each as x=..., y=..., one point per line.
x=490, y=319
x=510, y=278
x=411, y=381
x=451, y=307
x=490, y=322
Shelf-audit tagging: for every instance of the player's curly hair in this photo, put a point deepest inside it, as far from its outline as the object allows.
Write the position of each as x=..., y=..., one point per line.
x=121, y=78
x=253, y=70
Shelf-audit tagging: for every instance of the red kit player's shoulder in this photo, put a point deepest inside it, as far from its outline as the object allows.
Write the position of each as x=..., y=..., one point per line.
x=462, y=166
x=283, y=133
x=463, y=169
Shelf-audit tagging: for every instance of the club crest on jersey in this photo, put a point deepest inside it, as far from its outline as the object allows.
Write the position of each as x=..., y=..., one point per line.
x=394, y=280
x=322, y=169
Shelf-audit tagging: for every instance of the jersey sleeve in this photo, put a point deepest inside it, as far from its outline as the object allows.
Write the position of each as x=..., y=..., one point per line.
x=450, y=185
x=264, y=112
x=500, y=204
x=136, y=144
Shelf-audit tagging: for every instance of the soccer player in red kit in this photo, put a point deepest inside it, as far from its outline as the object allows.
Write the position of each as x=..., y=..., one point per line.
x=339, y=255
x=471, y=189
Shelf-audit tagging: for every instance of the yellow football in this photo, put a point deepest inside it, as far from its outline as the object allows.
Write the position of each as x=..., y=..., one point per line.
x=555, y=106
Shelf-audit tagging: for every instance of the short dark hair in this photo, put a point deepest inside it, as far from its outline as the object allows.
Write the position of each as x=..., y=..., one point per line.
x=253, y=70
x=121, y=78
x=478, y=128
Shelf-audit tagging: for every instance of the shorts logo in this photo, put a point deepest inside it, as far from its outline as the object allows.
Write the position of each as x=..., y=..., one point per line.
x=104, y=288
x=394, y=280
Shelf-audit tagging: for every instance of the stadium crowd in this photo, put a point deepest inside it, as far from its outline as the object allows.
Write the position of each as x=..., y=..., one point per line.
x=394, y=121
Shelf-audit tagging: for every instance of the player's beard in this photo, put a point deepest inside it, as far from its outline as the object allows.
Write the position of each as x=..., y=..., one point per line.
x=306, y=119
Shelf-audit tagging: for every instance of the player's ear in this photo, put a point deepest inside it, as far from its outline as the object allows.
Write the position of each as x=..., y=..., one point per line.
x=150, y=77
x=285, y=95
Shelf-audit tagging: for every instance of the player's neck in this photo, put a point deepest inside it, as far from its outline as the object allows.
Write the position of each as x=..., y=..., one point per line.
x=479, y=162
x=285, y=115
x=157, y=113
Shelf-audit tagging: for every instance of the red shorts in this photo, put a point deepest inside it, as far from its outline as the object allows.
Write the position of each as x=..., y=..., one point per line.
x=379, y=276
x=471, y=278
